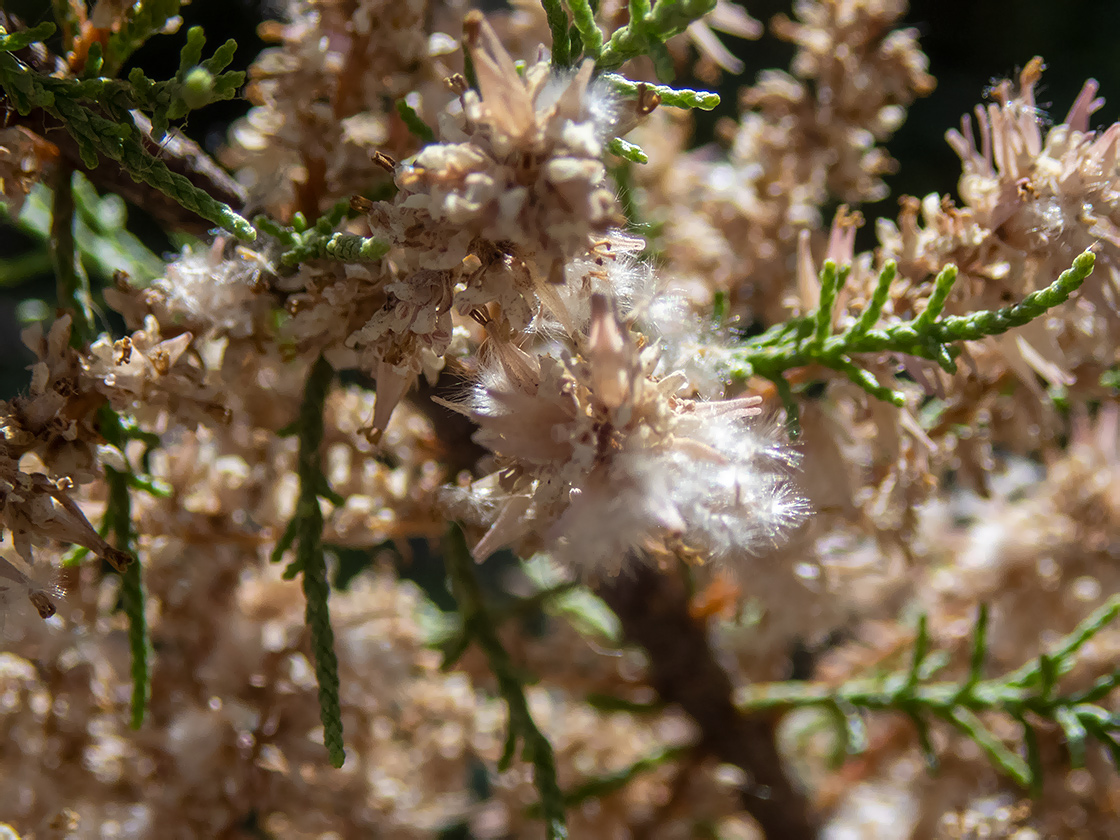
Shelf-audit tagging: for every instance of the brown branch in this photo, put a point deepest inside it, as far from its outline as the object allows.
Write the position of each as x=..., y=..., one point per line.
x=653, y=609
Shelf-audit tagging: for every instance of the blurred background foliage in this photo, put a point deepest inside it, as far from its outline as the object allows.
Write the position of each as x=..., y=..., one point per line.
x=970, y=43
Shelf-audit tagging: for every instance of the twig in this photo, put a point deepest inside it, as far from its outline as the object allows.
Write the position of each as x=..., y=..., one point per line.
x=653, y=609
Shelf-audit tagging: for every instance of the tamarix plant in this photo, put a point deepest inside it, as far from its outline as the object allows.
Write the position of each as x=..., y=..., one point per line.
x=615, y=478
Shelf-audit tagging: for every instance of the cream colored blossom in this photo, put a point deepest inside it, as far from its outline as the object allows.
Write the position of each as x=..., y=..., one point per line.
x=805, y=138
x=493, y=215
x=36, y=509
x=23, y=156
x=142, y=373
x=54, y=418
x=14, y=583
x=521, y=163
x=320, y=98
x=600, y=461
x=1032, y=200
x=206, y=289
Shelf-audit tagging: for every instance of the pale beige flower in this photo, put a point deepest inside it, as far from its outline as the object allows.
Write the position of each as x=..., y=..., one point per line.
x=23, y=156
x=55, y=418
x=15, y=583
x=521, y=164
x=805, y=138
x=36, y=509
x=320, y=97
x=725, y=17
x=599, y=460
x=493, y=217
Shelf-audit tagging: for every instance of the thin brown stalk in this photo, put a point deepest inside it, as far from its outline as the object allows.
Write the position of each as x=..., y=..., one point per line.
x=653, y=609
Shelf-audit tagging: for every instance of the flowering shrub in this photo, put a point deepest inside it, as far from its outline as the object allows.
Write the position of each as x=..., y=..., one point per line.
x=627, y=497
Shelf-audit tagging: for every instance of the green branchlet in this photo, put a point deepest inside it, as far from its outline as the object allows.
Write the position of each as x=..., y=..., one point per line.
x=608, y=783
x=142, y=21
x=196, y=84
x=808, y=339
x=305, y=532
x=627, y=151
x=119, y=427
x=70, y=101
x=101, y=236
x=648, y=30
x=583, y=22
x=673, y=97
x=74, y=296
x=644, y=34
x=305, y=240
x=14, y=41
x=420, y=129
x=71, y=280
x=941, y=288
x=118, y=522
x=558, y=24
x=677, y=98
x=479, y=627
x=1028, y=693
x=822, y=320
x=874, y=311
x=458, y=638
x=133, y=600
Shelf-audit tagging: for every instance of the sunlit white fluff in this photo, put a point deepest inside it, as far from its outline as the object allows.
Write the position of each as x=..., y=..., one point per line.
x=601, y=461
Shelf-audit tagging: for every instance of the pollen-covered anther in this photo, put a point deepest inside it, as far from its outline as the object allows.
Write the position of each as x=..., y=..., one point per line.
x=457, y=84
x=360, y=204
x=124, y=350
x=42, y=603
x=648, y=100
x=384, y=161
